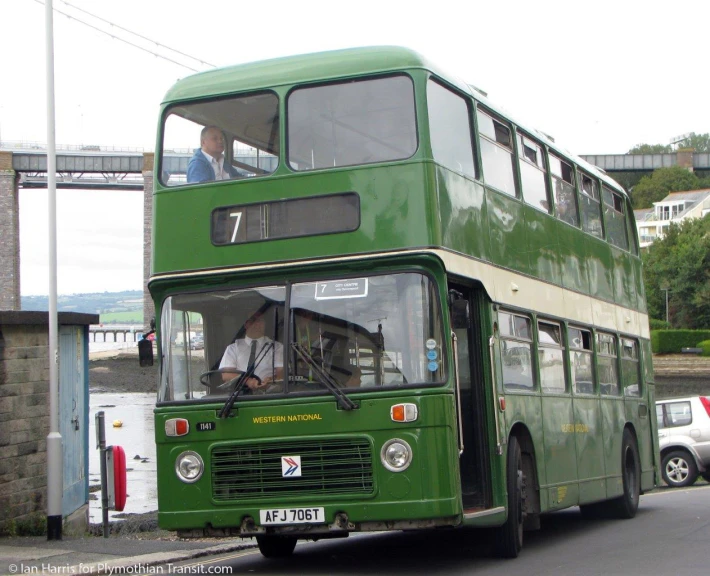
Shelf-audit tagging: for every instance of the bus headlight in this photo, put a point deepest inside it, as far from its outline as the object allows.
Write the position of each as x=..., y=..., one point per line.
x=189, y=467
x=396, y=455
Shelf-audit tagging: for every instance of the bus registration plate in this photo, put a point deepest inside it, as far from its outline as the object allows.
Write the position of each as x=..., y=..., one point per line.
x=292, y=516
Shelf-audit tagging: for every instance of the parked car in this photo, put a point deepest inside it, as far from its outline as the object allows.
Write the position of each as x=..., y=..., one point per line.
x=684, y=439
x=197, y=343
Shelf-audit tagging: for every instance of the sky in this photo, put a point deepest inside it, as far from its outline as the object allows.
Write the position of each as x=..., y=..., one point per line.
x=600, y=77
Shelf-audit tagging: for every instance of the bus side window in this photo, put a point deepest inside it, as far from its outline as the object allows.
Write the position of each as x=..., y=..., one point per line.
x=614, y=218
x=589, y=198
x=533, y=175
x=563, y=189
x=496, y=153
x=607, y=364
x=516, y=350
x=581, y=360
x=450, y=129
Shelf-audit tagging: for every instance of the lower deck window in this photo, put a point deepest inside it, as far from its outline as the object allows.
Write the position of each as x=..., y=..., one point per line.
x=516, y=350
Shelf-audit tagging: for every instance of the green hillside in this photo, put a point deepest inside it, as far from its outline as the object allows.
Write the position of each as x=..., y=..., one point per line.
x=114, y=307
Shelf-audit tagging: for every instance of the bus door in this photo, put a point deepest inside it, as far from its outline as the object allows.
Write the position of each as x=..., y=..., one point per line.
x=466, y=306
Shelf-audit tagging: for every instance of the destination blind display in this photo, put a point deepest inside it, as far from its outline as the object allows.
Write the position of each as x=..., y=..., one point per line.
x=285, y=219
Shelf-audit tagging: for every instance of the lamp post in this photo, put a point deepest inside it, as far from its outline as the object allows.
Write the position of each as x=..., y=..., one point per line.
x=666, y=289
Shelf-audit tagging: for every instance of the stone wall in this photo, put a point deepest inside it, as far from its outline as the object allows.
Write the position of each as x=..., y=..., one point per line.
x=24, y=411
x=24, y=420
x=680, y=375
x=9, y=235
x=148, y=307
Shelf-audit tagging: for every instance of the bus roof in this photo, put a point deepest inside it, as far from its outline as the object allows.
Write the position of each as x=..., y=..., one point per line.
x=331, y=65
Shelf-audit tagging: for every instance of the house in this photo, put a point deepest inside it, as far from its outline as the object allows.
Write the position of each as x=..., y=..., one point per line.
x=653, y=222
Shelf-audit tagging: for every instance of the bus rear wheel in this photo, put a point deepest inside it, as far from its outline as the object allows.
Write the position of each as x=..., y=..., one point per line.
x=625, y=506
x=276, y=546
x=509, y=537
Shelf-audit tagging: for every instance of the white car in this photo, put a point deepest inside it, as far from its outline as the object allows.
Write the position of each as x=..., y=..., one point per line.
x=684, y=439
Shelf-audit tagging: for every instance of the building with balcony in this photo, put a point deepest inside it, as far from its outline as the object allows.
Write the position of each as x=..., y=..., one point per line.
x=652, y=223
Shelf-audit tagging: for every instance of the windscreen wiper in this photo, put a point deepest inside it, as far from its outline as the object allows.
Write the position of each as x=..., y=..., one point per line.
x=343, y=401
x=241, y=380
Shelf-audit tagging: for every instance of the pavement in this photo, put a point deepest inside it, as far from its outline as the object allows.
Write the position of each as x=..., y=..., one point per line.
x=113, y=555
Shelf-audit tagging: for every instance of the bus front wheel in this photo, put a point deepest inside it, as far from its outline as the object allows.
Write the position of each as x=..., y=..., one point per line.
x=276, y=546
x=509, y=537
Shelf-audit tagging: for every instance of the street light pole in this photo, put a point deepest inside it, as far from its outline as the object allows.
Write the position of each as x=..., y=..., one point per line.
x=666, y=290
x=55, y=479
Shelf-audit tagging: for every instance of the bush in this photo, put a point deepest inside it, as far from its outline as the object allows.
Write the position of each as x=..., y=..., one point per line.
x=659, y=324
x=705, y=345
x=672, y=341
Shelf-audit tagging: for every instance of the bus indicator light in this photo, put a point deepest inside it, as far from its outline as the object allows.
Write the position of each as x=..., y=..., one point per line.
x=501, y=403
x=177, y=427
x=404, y=413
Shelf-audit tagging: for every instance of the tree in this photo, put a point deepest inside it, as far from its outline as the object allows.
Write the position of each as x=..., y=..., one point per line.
x=680, y=262
x=650, y=149
x=699, y=142
x=662, y=182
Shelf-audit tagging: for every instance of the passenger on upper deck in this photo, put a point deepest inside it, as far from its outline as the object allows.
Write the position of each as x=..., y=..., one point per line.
x=245, y=351
x=207, y=163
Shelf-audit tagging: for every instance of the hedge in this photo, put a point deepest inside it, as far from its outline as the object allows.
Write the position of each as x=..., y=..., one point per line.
x=705, y=345
x=672, y=341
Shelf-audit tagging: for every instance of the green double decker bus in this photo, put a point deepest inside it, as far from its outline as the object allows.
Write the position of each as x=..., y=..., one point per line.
x=476, y=348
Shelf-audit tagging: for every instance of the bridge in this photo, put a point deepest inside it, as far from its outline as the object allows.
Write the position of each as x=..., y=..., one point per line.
x=24, y=165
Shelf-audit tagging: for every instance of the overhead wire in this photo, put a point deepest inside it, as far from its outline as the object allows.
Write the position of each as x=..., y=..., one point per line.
x=115, y=37
x=136, y=34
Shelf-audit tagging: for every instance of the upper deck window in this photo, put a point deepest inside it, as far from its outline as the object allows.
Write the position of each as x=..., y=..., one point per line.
x=496, y=153
x=450, y=129
x=589, y=197
x=614, y=218
x=349, y=123
x=223, y=139
x=563, y=186
x=533, y=175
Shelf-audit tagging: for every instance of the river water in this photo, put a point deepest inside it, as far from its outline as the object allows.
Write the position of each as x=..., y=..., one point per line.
x=136, y=436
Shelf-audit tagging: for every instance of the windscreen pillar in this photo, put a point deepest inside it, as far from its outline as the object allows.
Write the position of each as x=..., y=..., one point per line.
x=9, y=235
x=148, y=307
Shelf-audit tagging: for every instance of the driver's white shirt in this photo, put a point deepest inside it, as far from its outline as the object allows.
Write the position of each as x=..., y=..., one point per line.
x=237, y=356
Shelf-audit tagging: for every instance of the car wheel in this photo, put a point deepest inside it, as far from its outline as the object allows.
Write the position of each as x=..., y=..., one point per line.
x=276, y=546
x=509, y=537
x=679, y=469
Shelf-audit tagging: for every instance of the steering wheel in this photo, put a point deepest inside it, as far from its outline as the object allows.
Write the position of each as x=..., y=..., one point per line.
x=204, y=377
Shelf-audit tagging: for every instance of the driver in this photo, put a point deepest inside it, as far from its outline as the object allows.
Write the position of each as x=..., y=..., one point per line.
x=245, y=351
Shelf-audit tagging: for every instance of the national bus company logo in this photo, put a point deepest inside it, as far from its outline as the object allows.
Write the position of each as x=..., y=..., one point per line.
x=290, y=466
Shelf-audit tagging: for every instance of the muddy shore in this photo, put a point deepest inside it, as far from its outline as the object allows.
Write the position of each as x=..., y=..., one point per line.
x=121, y=373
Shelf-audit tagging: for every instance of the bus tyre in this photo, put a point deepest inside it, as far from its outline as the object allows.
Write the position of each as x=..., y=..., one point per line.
x=706, y=476
x=626, y=506
x=276, y=546
x=509, y=537
x=679, y=469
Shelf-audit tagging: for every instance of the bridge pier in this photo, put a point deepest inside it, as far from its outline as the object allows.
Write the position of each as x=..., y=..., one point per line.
x=148, y=307
x=9, y=235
